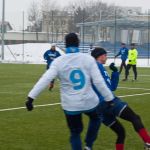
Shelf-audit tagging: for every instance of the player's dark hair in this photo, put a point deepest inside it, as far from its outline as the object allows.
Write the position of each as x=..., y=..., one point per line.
x=98, y=51
x=71, y=40
x=132, y=44
x=123, y=44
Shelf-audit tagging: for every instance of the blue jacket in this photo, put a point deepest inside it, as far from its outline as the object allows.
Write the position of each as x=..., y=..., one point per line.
x=112, y=82
x=124, y=53
x=50, y=55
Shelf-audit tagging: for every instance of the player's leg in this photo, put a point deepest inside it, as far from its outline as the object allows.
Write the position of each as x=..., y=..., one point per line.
x=121, y=67
x=120, y=132
x=129, y=115
x=127, y=72
x=109, y=119
x=134, y=71
x=93, y=127
x=124, y=64
x=75, y=125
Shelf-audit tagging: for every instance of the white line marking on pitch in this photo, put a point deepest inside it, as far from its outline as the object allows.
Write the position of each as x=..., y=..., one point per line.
x=18, y=108
x=134, y=88
x=134, y=95
x=8, y=109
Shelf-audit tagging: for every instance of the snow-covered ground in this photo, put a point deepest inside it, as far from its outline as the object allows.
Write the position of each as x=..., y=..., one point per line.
x=140, y=62
x=33, y=53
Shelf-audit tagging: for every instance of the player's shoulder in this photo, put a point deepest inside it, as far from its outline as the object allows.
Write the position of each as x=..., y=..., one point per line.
x=86, y=56
x=82, y=56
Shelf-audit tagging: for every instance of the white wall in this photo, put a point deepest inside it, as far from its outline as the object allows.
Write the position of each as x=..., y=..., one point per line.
x=42, y=36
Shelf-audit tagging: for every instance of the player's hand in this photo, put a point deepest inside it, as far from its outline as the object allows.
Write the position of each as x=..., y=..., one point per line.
x=29, y=104
x=113, y=67
x=51, y=86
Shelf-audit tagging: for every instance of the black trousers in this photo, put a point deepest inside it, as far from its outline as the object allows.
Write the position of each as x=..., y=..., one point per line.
x=123, y=64
x=75, y=125
x=134, y=71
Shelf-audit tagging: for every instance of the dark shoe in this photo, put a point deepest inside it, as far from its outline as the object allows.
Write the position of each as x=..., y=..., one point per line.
x=133, y=80
x=147, y=146
x=124, y=80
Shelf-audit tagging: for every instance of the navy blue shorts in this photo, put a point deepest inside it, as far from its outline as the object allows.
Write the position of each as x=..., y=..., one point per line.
x=110, y=114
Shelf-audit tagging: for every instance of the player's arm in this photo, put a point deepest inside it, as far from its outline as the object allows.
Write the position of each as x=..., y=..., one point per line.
x=119, y=53
x=114, y=77
x=112, y=82
x=43, y=82
x=45, y=56
x=136, y=55
x=100, y=83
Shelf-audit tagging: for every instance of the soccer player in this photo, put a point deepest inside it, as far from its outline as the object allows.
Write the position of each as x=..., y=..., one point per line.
x=76, y=71
x=124, y=55
x=132, y=61
x=117, y=108
x=49, y=56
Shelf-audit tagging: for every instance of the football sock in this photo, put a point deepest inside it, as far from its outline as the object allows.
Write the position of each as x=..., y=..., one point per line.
x=119, y=146
x=144, y=135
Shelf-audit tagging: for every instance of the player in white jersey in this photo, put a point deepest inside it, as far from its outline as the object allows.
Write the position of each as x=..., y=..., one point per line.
x=76, y=71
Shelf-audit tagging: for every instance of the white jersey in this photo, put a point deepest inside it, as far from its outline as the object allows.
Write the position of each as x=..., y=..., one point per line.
x=75, y=71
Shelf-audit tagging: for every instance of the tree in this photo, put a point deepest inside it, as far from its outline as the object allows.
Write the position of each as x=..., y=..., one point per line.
x=34, y=17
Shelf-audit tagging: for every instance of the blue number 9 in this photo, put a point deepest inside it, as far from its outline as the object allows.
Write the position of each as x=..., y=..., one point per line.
x=78, y=79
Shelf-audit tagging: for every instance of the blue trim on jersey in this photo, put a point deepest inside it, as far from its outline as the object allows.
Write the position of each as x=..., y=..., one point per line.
x=111, y=83
x=79, y=112
x=72, y=50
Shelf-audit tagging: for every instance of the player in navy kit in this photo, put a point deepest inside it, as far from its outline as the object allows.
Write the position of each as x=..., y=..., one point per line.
x=124, y=55
x=117, y=108
x=49, y=56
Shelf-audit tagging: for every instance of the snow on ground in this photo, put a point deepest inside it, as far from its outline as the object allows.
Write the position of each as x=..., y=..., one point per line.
x=140, y=62
x=33, y=53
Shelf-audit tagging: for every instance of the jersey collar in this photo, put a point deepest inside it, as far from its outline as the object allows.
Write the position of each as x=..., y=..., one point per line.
x=72, y=50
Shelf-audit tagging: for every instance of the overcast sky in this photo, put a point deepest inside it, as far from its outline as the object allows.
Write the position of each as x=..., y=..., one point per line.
x=14, y=8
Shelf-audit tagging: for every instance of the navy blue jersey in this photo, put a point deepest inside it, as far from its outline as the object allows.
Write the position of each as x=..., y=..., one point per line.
x=124, y=53
x=50, y=55
x=112, y=82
